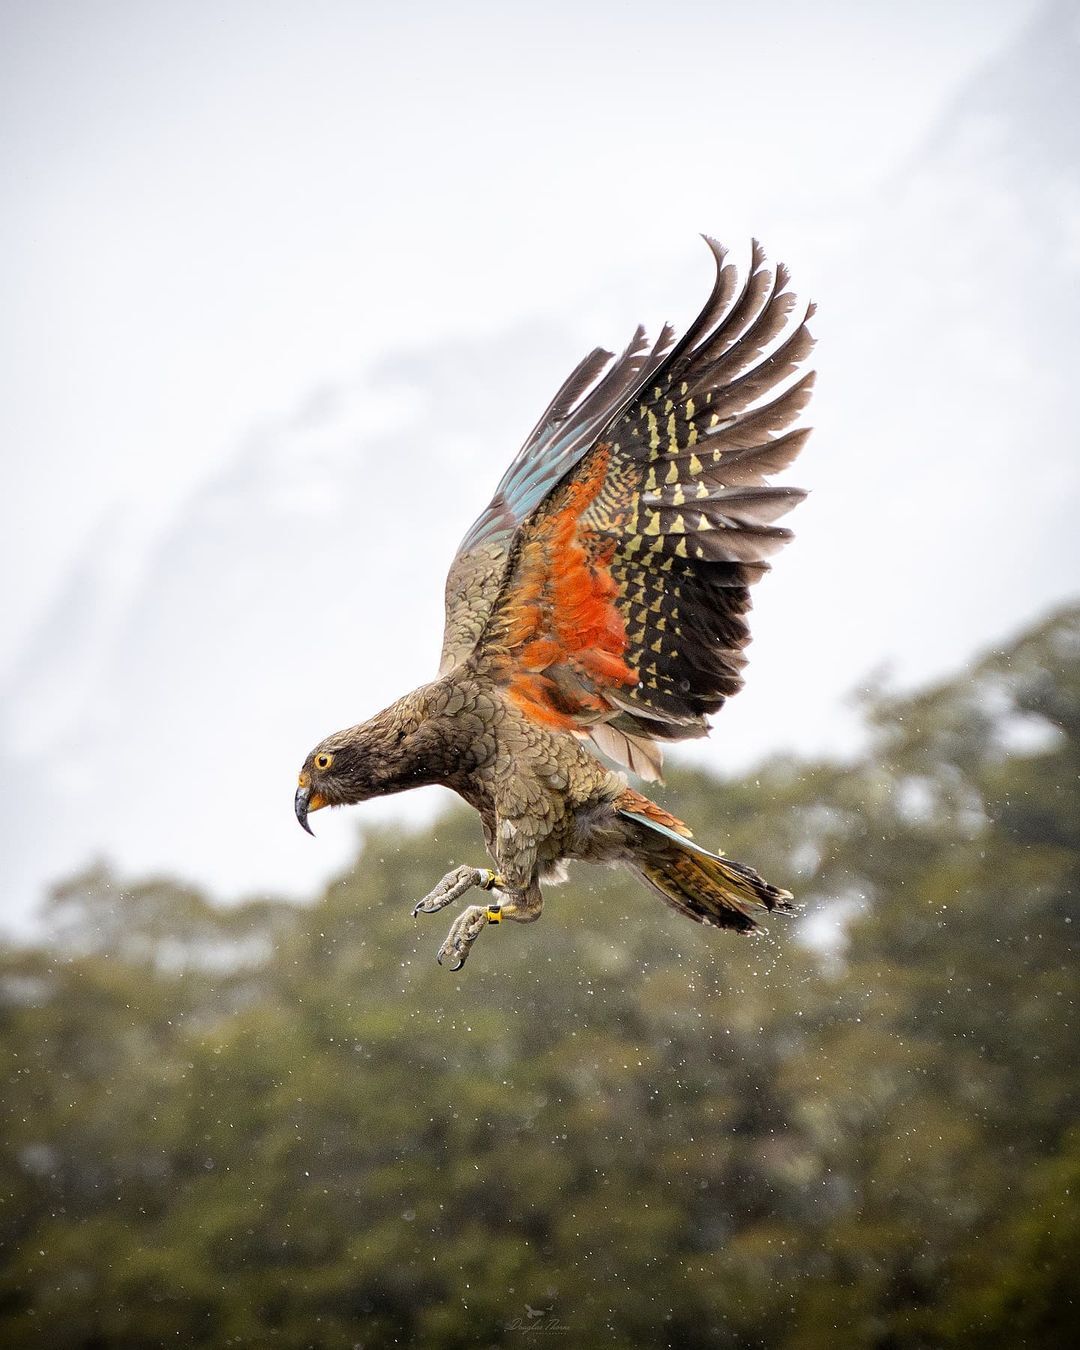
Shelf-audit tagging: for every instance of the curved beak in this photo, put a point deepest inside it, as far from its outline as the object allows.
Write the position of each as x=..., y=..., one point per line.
x=305, y=801
x=302, y=805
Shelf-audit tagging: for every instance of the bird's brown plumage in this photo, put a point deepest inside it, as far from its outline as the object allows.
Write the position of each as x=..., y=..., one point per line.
x=600, y=600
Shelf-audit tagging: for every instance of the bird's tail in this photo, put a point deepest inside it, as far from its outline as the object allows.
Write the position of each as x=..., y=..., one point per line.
x=704, y=886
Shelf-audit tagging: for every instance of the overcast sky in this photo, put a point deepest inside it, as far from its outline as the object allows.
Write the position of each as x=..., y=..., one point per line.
x=286, y=284
x=211, y=209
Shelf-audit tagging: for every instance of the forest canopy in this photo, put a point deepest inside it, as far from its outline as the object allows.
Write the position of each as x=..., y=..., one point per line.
x=275, y=1124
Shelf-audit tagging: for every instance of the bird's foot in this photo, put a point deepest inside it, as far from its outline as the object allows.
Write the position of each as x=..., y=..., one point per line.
x=454, y=885
x=464, y=931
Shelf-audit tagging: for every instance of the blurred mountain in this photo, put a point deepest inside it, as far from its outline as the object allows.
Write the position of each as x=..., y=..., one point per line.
x=169, y=694
x=945, y=470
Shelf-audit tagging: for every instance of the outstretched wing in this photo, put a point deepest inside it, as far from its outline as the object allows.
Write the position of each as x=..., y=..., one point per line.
x=618, y=555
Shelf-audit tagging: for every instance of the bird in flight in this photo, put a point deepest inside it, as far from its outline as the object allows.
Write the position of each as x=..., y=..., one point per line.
x=598, y=607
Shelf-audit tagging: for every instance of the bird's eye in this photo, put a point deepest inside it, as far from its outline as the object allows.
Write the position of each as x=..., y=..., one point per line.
x=323, y=761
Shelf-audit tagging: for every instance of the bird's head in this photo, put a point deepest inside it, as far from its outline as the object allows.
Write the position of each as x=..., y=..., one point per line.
x=336, y=773
x=399, y=748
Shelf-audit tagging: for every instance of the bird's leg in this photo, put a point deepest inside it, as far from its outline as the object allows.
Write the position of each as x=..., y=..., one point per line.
x=523, y=906
x=454, y=885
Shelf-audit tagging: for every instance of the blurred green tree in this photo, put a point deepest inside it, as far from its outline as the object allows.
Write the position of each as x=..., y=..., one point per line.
x=270, y=1124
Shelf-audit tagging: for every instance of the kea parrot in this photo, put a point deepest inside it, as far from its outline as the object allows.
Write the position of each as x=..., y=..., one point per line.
x=598, y=607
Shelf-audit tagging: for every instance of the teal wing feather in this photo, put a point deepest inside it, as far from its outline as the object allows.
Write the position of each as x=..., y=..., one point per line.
x=683, y=840
x=595, y=391
x=567, y=430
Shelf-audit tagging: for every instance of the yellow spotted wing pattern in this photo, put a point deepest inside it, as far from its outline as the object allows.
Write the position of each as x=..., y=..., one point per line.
x=687, y=502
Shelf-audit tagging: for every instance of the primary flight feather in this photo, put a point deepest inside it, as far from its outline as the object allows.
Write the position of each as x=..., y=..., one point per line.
x=599, y=604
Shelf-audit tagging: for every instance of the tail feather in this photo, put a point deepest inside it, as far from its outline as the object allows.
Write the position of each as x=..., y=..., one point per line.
x=704, y=886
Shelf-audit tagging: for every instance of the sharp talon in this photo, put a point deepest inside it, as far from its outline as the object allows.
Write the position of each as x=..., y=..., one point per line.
x=459, y=965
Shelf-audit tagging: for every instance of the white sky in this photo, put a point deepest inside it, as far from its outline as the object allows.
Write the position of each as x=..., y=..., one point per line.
x=209, y=209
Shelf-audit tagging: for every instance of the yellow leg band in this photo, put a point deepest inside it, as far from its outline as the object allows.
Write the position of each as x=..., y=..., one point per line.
x=494, y=914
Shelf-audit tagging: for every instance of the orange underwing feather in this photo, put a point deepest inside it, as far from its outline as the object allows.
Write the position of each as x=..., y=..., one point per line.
x=561, y=616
